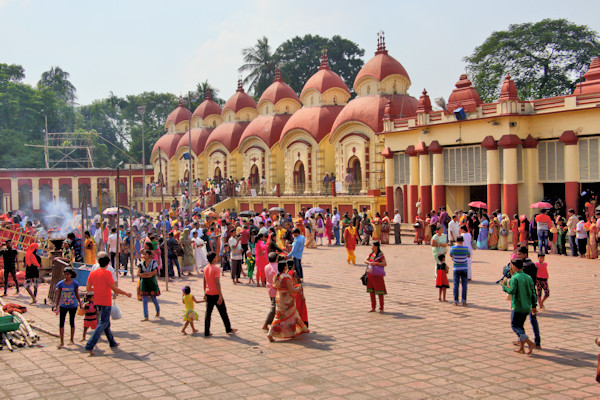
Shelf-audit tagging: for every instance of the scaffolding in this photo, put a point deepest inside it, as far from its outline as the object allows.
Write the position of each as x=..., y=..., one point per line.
x=68, y=149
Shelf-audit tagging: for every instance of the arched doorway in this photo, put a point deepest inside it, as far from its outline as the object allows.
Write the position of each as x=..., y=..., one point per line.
x=399, y=200
x=186, y=175
x=84, y=193
x=254, y=177
x=299, y=177
x=65, y=195
x=45, y=195
x=24, y=197
x=354, y=168
x=218, y=175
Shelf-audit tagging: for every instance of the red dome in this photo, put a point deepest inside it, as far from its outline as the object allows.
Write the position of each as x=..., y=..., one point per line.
x=370, y=109
x=206, y=108
x=240, y=100
x=317, y=121
x=199, y=138
x=266, y=127
x=179, y=114
x=380, y=67
x=168, y=143
x=464, y=96
x=325, y=79
x=278, y=90
x=228, y=135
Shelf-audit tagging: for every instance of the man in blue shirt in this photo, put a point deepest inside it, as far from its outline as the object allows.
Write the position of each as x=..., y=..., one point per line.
x=460, y=256
x=296, y=252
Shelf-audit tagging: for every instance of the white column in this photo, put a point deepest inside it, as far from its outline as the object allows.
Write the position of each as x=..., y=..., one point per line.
x=55, y=190
x=14, y=193
x=94, y=191
x=35, y=193
x=75, y=192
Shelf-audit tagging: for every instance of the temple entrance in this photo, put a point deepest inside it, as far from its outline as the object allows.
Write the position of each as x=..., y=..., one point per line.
x=354, y=168
x=24, y=197
x=254, y=177
x=299, y=177
x=399, y=200
x=478, y=193
x=217, y=174
x=45, y=195
x=65, y=195
x=186, y=175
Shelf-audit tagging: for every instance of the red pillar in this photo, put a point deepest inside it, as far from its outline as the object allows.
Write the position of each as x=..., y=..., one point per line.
x=425, y=199
x=439, y=196
x=389, y=199
x=511, y=199
x=405, y=204
x=413, y=198
x=493, y=197
x=572, y=195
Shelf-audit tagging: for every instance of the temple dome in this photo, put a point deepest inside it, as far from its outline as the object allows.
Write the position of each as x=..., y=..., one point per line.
x=199, y=138
x=181, y=113
x=239, y=100
x=267, y=128
x=168, y=143
x=317, y=121
x=228, y=135
x=381, y=66
x=207, y=107
x=325, y=79
x=464, y=96
x=278, y=90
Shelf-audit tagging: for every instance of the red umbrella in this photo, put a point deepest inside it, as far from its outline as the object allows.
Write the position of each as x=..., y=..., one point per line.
x=478, y=204
x=542, y=205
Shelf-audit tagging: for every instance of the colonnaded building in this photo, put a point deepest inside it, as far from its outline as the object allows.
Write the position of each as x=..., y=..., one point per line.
x=397, y=149
x=509, y=153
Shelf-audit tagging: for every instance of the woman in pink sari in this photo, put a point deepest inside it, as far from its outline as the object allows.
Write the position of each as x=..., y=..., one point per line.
x=329, y=229
x=262, y=259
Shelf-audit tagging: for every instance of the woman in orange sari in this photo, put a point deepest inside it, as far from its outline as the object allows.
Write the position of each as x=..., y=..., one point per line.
x=493, y=235
x=299, y=295
x=592, y=248
x=287, y=323
x=523, y=234
x=427, y=229
x=385, y=228
x=514, y=227
x=376, y=227
x=350, y=240
x=299, y=223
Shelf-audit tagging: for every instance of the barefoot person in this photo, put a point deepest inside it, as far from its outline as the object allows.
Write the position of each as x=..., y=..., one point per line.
x=524, y=302
x=375, y=283
x=148, y=285
x=32, y=273
x=101, y=283
x=67, y=301
x=189, y=315
x=214, y=296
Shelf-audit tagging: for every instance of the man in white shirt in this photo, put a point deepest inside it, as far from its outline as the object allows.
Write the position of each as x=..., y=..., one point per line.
x=235, y=244
x=335, y=220
x=98, y=236
x=111, y=245
x=397, y=221
x=453, y=229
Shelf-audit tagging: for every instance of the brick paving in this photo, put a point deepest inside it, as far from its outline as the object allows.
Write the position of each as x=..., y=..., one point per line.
x=419, y=349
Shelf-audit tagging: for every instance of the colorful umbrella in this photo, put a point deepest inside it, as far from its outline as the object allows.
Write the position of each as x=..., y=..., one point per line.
x=112, y=211
x=542, y=205
x=478, y=204
x=313, y=211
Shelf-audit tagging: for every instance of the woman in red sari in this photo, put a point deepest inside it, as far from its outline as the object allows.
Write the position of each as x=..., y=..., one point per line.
x=592, y=248
x=329, y=229
x=385, y=228
x=287, y=322
x=514, y=227
x=262, y=259
x=419, y=230
x=299, y=295
x=375, y=282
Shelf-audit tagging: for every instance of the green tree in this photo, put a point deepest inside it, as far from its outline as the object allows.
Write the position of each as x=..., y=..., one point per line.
x=545, y=58
x=260, y=65
x=201, y=89
x=299, y=58
x=57, y=80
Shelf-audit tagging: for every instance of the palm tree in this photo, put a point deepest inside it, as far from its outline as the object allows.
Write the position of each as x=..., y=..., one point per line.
x=201, y=89
x=57, y=80
x=260, y=64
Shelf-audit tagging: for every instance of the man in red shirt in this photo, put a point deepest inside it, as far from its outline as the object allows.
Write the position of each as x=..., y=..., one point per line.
x=214, y=296
x=101, y=283
x=544, y=223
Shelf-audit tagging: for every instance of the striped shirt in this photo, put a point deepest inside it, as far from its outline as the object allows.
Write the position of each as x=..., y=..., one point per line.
x=460, y=256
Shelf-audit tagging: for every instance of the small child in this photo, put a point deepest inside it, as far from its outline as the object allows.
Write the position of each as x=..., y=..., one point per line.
x=225, y=263
x=250, y=262
x=441, y=280
x=189, y=315
x=542, y=280
x=90, y=319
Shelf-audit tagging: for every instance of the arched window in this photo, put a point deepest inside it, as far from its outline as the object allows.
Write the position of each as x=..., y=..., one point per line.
x=45, y=195
x=84, y=193
x=65, y=195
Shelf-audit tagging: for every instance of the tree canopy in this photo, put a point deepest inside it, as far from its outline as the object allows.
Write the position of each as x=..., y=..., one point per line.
x=545, y=59
x=298, y=59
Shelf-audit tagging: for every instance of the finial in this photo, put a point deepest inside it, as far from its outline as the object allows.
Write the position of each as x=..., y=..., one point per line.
x=277, y=75
x=180, y=102
x=240, y=87
x=381, y=43
x=207, y=96
x=324, y=60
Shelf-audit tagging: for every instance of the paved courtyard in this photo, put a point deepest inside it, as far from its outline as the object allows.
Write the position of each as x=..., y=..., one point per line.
x=419, y=349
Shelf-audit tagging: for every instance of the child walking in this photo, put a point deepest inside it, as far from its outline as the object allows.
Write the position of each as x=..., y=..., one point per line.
x=67, y=301
x=441, y=280
x=225, y=262
x=90, y=319
x=541, y=282
x=189, y=315
x=250, y=262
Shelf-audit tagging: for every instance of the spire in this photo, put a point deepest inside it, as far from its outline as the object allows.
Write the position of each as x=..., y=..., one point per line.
x=180, y=102
x=509, y=90
x=240, y=87
x=207, y=95
x=424, y=103
x=324, y=60
x=592, y=79
x=277, y=75
x=381, y=43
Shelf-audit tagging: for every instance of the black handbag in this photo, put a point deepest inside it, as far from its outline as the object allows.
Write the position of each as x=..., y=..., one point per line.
x=363, y=279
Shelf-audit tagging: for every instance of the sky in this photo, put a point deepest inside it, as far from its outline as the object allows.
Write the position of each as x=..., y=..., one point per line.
x=129, y=46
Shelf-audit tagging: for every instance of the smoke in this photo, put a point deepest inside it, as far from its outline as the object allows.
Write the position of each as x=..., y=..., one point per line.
x=58, y=218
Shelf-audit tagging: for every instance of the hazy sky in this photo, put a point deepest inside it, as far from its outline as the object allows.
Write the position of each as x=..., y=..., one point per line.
x=129, y=47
